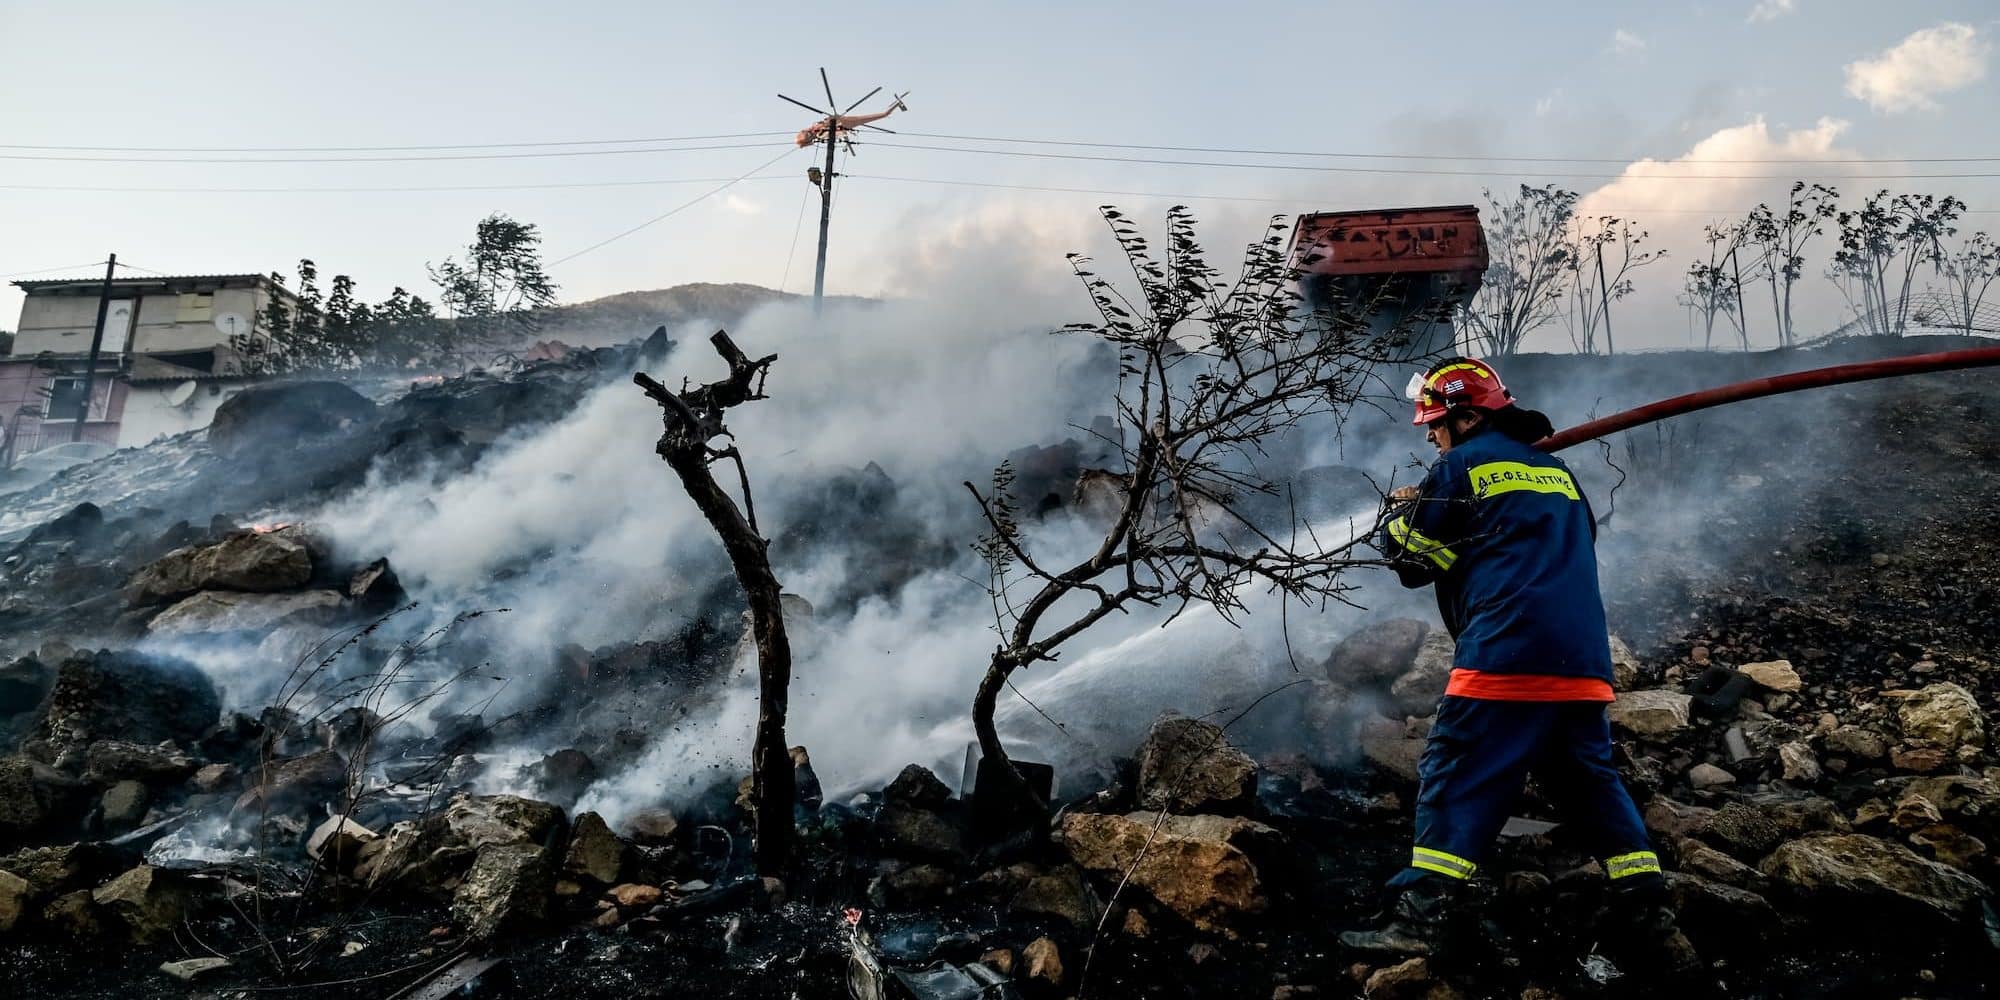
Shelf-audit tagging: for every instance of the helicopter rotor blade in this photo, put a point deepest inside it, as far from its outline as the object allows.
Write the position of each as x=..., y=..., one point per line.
x=830, y=102
x=864, y=97
x=808, y=107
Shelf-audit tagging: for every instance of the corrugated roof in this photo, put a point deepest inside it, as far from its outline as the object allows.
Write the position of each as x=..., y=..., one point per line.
x=34, y=283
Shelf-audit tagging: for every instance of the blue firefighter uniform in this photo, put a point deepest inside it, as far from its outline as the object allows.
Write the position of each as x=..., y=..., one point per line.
x=1503, y=533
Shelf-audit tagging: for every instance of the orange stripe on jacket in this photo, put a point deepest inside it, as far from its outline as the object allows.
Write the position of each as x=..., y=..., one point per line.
x=1526, y=687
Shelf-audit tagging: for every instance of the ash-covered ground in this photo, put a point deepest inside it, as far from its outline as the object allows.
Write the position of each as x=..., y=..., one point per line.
x=363, y=690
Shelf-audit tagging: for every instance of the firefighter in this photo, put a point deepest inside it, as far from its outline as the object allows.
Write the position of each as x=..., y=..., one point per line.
x=1504, y=535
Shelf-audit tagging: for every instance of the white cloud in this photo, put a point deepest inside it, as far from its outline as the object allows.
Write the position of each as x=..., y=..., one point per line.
x=1920, y=67
x=1771, y=10
x=1547, y=103
x=1704, y=175
x=1626, y=43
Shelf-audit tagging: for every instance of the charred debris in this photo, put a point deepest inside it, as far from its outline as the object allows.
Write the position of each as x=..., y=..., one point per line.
x=1808, y=732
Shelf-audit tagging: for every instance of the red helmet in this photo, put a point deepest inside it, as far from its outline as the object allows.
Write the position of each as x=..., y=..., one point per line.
x=1455, y=383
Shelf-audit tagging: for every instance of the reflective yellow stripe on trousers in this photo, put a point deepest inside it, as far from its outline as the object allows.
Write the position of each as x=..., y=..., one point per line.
x=1635, y=863
x=1442, y=863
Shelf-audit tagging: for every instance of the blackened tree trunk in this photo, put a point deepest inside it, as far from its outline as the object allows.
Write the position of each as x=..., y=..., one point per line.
x=693, y=418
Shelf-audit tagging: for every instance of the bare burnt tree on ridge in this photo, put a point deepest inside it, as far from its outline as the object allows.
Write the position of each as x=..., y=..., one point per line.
x=693, y=420
x=1211, y=372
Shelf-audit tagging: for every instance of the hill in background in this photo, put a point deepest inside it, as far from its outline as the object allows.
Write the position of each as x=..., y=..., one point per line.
x=616, y=319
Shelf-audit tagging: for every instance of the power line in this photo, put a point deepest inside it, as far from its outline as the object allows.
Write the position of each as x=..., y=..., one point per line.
x=1015, y=140
x=1429, y=171
x=395, y=149
x=52, y=270
x=1250, y=198
x=368, y=190
x=669, y=213
x=383, y=159
x=1470, y=157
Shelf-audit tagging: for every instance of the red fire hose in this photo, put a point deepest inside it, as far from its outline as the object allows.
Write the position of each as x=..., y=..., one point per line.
x=1916, y=364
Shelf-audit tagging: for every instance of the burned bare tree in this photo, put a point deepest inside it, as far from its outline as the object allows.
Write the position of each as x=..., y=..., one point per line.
x=693, y=419
x=1532, y=261
x=1211, y=373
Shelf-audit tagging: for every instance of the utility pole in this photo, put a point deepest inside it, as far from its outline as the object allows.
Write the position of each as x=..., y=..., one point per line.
x=835, y=125
x=96, y=345
x=825, y=215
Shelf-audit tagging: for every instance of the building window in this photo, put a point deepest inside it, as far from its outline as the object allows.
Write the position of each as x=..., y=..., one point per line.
x=65, y=394
x=195, y=308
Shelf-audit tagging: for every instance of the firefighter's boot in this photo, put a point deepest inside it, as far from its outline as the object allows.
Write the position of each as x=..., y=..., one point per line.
x=1415, y=925
x=1643, y=937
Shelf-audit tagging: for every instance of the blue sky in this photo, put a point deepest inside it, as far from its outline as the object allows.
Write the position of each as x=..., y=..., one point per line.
x=1617, y=81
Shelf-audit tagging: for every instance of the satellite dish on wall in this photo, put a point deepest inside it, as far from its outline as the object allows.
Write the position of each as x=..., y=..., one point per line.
x=180, y=394
x=232, y=324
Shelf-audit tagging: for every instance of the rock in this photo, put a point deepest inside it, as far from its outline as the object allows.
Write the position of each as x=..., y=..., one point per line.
x=74, y=915
x=1061, y=893
x=285, y=416
x=1870, y=870
x=1751, y=828
x=1913, y=812
x=374, y=587
x=116, y=760
x=1411, y=980
x=227, y=611
x=1918, y=760
x=1188, y=766
x=909, y=831
x=631, y=896
x=1776, y=675
x=424, y=856
x=123, y=805
x=294, y=783
x=916, y=885
x=563, y=776
x=1858, y=743
x=1200, y=867
x=1701, y=902
x=1697, y=858
x=1417, y=691
x=504, y=892
x=1944, y=715
x=1625, y=668
x=1798, y=762
x=1000, y=960
x=137, y=698
x=1950, y=845
x=1654, y=712
x=480, y=821
x=1709, y=776
x=34, y=797
x=216, y=778
x=1385, y=747
x=148, y=901
x=190, y=969
x=338, y=843
x=56, y=870
x=1671, y=819
x=917, y=786
x=595, y=854
x=652, y=827
x=246, y=561
x=16, y=895
x=23, y=685
x=1373, y=656
x=1042, y=960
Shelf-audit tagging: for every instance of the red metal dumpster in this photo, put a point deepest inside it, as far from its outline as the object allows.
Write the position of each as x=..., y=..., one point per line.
x=1397, y=273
